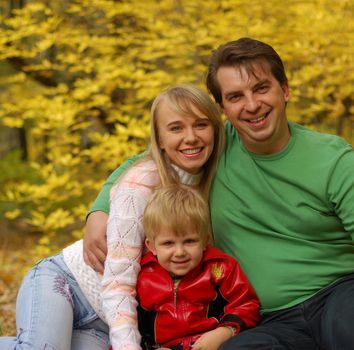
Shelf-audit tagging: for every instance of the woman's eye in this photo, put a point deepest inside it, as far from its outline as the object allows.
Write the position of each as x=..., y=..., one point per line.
x=176, y=128
x=202, y=125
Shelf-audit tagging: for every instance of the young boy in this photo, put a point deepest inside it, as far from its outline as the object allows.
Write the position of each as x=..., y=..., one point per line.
x=191, y=295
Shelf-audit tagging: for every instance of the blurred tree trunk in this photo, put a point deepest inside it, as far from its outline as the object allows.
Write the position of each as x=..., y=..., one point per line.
x=15, y=4
x=13, y=138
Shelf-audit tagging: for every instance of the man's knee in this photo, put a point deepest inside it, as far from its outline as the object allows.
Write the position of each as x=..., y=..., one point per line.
x=339, y=307
x=253, y=338
x=338, y=318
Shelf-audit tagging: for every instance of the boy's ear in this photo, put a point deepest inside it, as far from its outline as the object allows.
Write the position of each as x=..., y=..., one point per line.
x=209, y=239
x=150, y=245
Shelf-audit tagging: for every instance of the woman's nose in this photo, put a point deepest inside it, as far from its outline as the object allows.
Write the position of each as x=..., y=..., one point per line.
x=190, y=135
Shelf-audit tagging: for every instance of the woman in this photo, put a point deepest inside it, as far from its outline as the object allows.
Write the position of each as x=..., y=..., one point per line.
x=63, y=304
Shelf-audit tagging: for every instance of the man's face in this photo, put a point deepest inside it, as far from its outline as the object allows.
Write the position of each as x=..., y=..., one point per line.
x=255, y=105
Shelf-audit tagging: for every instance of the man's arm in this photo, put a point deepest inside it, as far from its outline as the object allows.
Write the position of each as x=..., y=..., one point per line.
x=95, y=245
x=341, y=190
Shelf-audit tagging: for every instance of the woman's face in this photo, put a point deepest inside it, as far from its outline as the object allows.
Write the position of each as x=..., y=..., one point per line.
x=187, y=140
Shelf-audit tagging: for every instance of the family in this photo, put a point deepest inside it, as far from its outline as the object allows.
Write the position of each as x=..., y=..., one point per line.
x=220, y=236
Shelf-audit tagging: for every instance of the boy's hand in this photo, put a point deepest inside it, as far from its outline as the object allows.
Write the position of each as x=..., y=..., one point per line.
x=212, y=340
x=95, y=242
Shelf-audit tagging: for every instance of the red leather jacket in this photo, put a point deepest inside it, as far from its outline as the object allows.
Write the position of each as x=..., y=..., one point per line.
x=215, y=293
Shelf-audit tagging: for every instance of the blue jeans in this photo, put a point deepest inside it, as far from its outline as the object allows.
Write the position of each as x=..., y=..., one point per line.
x=52, y=313
x=324, y=322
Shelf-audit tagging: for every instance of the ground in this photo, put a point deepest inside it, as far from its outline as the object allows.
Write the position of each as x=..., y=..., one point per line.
x=16, y=257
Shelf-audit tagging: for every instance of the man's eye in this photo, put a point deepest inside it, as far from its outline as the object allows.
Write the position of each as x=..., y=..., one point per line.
x=234, y=98
x=262, y=89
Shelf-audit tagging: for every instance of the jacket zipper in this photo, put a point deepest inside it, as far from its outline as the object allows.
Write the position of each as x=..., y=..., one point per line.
x=175, y=287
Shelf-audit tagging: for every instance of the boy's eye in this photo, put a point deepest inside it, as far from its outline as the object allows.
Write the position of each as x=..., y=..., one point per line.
x=190, y=241
x=167, y=243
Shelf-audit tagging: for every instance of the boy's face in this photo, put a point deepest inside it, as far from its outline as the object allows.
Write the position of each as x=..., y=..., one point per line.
x=177, y=254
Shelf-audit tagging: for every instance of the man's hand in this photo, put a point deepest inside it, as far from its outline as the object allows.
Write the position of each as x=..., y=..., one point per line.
x=95, y=242
x=212, y=340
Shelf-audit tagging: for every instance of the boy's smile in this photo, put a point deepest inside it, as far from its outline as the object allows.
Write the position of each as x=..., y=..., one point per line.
x=178, y=254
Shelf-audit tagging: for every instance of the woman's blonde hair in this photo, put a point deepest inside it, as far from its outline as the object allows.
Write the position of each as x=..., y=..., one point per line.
x=178, y=208
x=182, y=98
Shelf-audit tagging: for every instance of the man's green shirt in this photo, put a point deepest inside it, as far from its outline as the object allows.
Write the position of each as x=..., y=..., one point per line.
x=288, y=217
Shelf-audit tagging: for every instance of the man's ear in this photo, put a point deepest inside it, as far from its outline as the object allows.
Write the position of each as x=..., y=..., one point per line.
x=286, y=91
x=150, y=245
x=221, y=107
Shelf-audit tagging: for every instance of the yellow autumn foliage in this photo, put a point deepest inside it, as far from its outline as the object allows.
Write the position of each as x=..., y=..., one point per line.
x=87, y=72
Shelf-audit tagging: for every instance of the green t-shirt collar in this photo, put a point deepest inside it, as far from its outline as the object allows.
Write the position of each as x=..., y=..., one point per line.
x=282, y=153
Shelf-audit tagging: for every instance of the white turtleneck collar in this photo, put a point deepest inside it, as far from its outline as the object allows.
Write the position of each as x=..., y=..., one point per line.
x=186, y=178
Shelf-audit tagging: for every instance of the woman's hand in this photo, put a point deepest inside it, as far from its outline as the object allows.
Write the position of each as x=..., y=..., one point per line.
x=95, y=242
x=212, y=340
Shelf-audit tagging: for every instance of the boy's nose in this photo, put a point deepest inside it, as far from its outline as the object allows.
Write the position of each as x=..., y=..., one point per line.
x=180, y=250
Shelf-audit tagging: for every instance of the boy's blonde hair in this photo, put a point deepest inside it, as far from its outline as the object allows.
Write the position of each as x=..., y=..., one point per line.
x=178, y=208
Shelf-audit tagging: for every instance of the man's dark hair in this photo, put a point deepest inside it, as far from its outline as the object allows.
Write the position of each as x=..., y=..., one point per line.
x=243, y=52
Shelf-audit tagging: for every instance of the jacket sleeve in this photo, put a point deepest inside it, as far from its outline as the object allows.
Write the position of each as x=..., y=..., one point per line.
x=242, y=305
x=125, y=242
x=101, y=202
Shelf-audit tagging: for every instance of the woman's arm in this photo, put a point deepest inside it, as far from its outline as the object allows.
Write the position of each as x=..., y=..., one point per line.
x=125, y=239
x=125, y=243
x=95, y=245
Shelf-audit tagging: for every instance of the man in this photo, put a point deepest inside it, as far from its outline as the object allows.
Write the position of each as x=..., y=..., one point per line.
x=282, y=204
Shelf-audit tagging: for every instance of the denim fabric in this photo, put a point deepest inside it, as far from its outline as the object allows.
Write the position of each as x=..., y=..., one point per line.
x=324, y=322
x=52, y=313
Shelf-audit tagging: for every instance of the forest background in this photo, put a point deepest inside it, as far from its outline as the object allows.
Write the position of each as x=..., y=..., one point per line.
x=77, y=78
